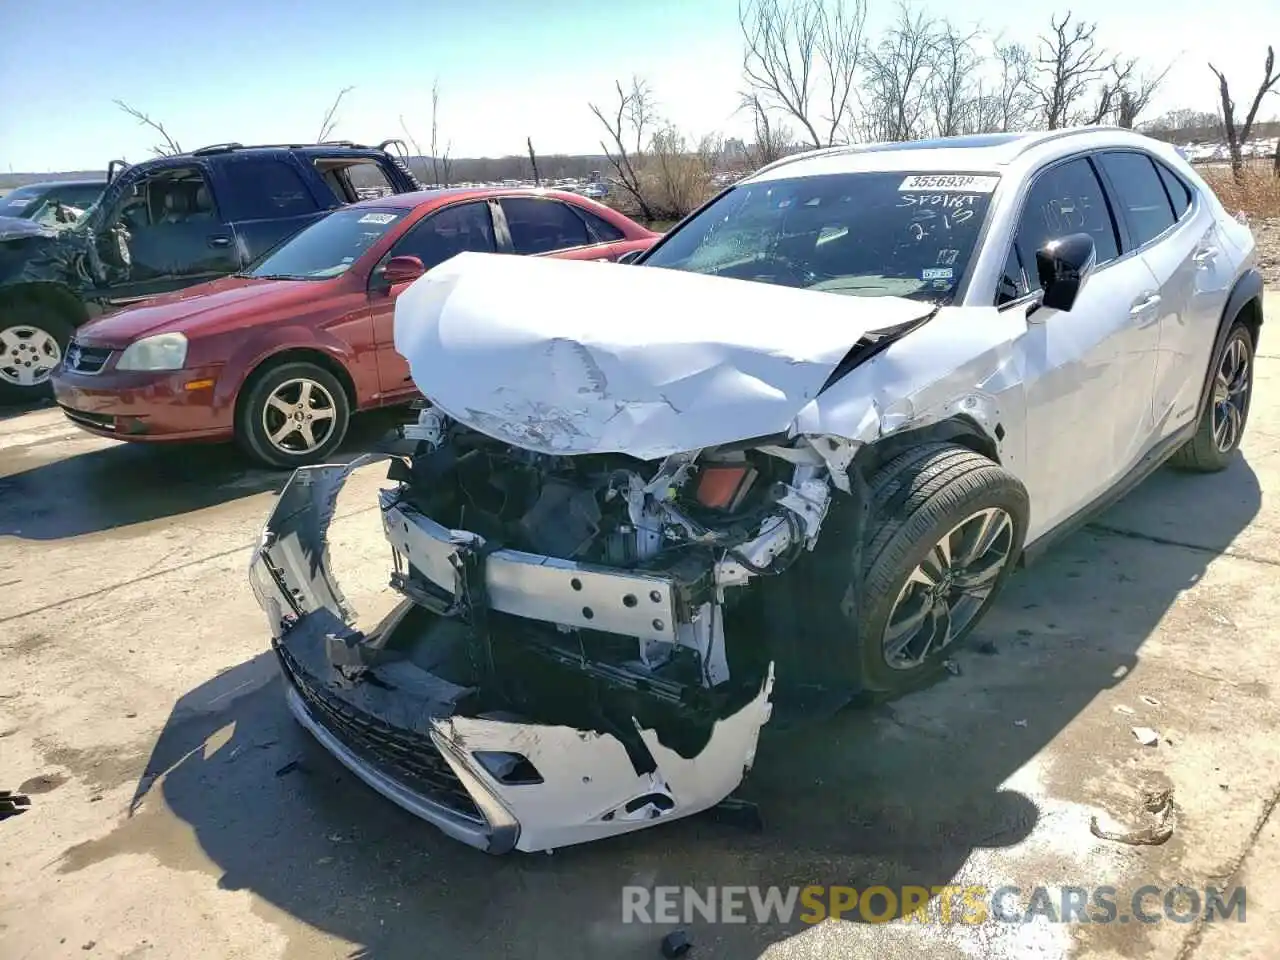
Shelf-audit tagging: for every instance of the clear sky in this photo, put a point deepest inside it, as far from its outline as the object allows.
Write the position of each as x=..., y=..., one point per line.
x=265, y=70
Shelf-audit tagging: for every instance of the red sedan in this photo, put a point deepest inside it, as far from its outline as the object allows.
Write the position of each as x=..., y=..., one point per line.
x=279, y=356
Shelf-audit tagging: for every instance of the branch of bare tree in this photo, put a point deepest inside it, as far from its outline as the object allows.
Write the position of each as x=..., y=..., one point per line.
x=170, y=147
x=636, y=110
x=330, y=121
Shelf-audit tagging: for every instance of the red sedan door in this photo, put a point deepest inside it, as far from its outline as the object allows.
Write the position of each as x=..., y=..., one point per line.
x=454, y=229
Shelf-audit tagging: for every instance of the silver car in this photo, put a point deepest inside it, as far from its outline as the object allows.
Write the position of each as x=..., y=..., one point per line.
x=791, y=452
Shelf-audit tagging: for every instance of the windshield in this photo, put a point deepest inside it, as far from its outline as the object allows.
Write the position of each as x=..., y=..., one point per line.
x=14, y=203
x=860, y=234
x=328, y=247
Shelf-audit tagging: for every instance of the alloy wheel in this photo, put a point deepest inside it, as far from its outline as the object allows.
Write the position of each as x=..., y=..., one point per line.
x=947, y=588
x=28, y=355
x=1231, y=394
x=299, y=416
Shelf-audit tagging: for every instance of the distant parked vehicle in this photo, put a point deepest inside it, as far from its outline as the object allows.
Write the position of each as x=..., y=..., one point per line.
x=163, y=225
x=279, y=355
x=42, y=202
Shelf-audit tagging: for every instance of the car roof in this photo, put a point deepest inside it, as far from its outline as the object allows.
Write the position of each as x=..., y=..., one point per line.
x=979, y=153
x=440, y=195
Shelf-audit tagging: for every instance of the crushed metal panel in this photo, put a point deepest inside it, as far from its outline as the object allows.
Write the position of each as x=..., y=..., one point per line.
x=571, y=357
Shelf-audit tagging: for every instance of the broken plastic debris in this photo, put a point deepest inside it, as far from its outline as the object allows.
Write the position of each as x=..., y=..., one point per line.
x=1121, y=708
x=1019, y=723
x=1146, y=736
x=953, y=668
x=1149, y=701
x=1157, y=810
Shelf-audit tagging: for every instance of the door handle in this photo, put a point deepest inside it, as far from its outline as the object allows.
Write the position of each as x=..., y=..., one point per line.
x=1205, y=256
x=219, y=241
x=1144, y=305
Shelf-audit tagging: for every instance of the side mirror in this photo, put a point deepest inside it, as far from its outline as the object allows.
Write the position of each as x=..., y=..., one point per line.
x=399, y=270
x=1063, y=266
x=629, y=257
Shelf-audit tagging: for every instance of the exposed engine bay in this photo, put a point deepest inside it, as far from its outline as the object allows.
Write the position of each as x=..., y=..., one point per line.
x=708, y=520
x=565, y=664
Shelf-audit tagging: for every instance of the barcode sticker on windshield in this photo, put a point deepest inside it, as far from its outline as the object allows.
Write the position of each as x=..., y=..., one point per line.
x=957, y=182
x=377, y=218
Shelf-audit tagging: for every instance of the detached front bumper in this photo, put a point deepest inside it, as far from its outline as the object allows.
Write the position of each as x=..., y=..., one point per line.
x=419, y=739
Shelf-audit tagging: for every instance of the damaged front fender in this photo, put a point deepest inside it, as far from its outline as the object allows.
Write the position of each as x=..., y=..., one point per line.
x=479, y=723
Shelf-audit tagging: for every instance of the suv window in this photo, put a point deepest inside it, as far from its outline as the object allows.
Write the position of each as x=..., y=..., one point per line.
x=1065, y=199
x=602, y=228
x=266, y=189
x=1179, y=192
x=540, y=226
x=1139, y=193
x=464, y=227
x=352, y=180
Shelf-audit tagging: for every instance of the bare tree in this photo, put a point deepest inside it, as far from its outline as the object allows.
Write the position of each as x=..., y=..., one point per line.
x=533, y=162
x=441, y=165
x=330, y=121
x=1068, y=65
x=169, y=147
x=774, y=139
x=801, y=58
x=628, y=124
x=1135, y=95
x=440, y=162
x=950, y=86
x=899, y=69
x=1237, y=137
x=1015, y=100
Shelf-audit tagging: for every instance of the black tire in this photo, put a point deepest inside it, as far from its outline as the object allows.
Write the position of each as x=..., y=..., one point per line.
x=285, y=381
x=28, y=332
x=916, y=499
x=1203, y=453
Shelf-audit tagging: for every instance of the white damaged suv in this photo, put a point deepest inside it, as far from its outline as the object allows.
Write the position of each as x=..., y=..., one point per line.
x=792, y=452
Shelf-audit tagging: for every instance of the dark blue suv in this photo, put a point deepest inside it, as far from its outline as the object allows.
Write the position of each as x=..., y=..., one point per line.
x=163, y=225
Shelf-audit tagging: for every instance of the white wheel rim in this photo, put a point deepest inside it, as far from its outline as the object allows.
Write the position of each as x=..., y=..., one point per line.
x=299, y=416
x=28, y=355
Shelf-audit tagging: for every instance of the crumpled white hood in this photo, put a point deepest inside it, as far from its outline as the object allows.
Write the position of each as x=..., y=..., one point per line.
x=573, y=357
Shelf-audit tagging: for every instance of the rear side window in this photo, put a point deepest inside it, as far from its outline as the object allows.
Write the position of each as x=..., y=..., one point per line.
x=602, y=228
x=1139, y=194
x=1065, y=199
x=368, y=180
x=266, y=189
x=464, y=227
x=1179, y=192
x=541, y=226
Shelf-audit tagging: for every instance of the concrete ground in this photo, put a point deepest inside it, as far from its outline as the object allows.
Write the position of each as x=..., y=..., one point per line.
x=143, y=717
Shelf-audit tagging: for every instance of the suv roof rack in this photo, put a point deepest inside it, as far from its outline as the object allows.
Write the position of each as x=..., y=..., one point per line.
x=234, y=145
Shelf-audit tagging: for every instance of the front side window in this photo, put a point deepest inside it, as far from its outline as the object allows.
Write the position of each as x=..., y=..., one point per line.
x=1063, y=200
x=328, y=247
x=1140, y=194
x=857, y=234
x=541, y=226
x=461, y=228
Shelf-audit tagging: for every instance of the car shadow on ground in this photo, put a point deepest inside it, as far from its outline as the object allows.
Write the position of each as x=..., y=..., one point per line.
x=897, y=794
x=127, y=483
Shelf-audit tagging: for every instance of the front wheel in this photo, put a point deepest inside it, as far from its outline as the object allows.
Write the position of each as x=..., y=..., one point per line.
x=946, y=528
x=32, y=341
x=293, y=415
